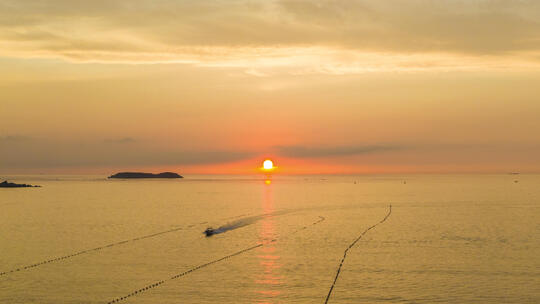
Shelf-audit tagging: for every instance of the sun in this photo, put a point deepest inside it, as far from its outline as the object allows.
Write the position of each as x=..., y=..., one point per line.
x=268, y=165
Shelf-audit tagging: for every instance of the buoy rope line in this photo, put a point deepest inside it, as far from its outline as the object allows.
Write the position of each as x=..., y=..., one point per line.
x=351, y=246
x=61, y=258
x=176, y=276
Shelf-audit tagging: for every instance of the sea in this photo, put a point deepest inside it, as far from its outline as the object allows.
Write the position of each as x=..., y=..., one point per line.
x=280, y=239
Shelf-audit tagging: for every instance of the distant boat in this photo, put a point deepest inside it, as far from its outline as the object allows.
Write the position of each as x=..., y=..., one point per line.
x=209, y=231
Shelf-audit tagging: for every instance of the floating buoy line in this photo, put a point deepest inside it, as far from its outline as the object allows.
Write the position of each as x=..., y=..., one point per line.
x=91, y=250
x=176, y=276
x=61, y=258
x=351, y=246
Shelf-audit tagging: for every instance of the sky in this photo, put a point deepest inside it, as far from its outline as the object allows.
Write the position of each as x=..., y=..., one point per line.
x=217, y=86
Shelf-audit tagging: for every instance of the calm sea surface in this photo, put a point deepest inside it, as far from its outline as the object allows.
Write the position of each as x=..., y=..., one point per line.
x=448, y=239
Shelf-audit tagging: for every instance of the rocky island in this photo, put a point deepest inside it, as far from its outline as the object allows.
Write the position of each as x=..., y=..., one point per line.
x=146, y=175
x=6, y=184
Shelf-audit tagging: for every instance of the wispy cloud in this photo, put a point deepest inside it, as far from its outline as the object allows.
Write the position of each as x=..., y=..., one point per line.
x=123, y=140
x=110, y=153
x=309, y=152
x=13, y=138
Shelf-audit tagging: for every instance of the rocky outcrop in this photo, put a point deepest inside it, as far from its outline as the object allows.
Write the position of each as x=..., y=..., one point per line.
x=145, y=175
x=6, y=184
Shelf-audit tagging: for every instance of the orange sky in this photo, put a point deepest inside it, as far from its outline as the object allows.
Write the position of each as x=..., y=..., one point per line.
x=319, y=86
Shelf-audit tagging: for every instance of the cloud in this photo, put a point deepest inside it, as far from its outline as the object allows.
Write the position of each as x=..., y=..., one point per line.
x=13, y=138
x=313, y=152
x=218, y=32
x=206, y=157
x=110, y=153
x=123, y=140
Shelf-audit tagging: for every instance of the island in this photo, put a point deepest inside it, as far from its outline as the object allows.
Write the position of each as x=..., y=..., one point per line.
x=146, y=175
x=6, y=184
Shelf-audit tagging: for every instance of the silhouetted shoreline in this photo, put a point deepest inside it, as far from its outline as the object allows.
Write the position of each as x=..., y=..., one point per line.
x=6, y=184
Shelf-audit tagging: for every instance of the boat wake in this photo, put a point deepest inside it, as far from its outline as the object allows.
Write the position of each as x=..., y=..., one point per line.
x=242, y=222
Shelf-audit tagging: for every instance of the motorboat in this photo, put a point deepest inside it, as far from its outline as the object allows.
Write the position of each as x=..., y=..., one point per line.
x=209, y=231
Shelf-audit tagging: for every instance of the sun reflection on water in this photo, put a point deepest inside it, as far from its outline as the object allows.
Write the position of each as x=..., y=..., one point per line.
x=269, y=279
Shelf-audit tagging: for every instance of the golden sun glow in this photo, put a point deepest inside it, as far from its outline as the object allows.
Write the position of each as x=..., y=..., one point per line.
x=268, y=165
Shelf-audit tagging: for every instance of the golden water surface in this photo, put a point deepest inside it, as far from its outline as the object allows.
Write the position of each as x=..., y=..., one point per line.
x=449, y=239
